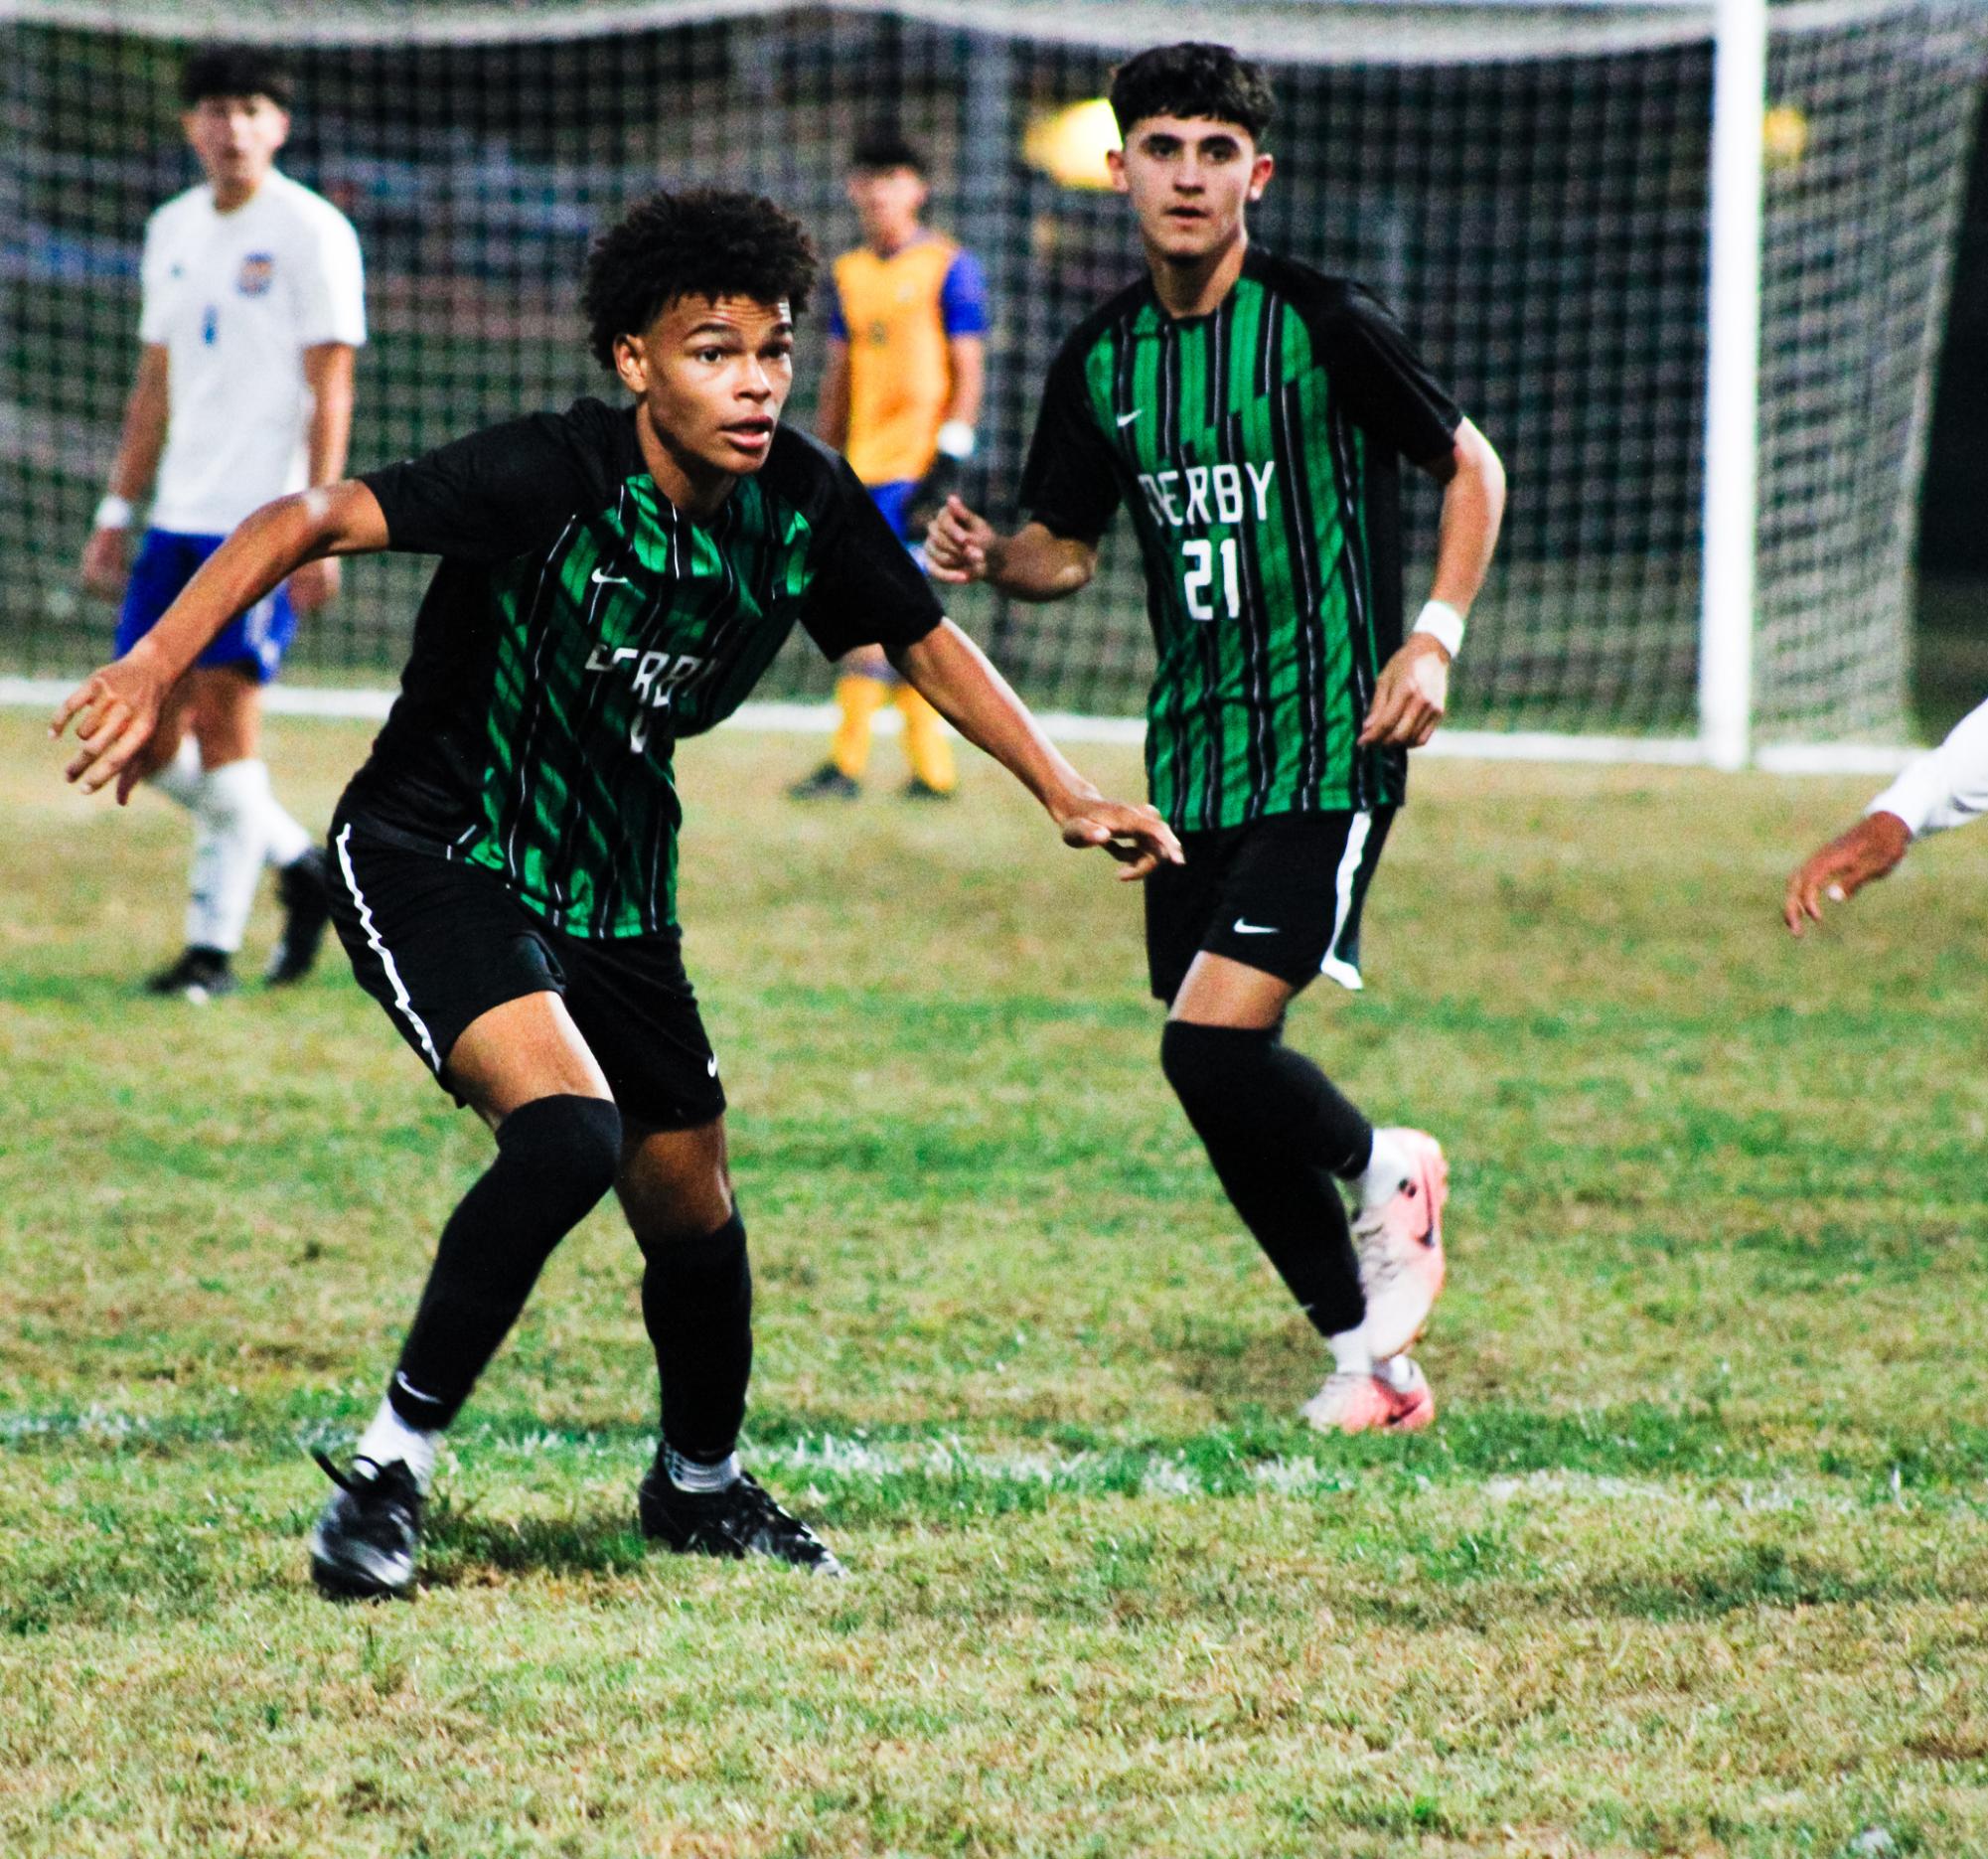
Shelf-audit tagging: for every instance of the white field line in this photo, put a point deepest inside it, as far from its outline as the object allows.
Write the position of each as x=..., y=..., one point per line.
x=840, y=1459
x=819, y=720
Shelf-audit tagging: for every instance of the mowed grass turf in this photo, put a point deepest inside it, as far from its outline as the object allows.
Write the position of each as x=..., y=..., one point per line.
x=1693, y=1562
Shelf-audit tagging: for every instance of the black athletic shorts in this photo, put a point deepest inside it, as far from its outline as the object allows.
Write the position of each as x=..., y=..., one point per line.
x=437, y=942
x=1282, y=895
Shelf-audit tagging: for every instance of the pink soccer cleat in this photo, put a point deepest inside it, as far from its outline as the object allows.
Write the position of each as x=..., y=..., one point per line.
x=1395, y=1398
x=1401, y=1247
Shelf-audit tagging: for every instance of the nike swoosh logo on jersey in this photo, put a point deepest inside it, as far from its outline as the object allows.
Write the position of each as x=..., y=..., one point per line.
x=611, y=580
x=1126, y=419
x=1244, y=927
x=711, y=1066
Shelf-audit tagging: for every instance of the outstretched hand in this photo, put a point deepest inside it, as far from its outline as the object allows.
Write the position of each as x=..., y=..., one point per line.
x=1871, y=849
x=957, y=542
x=1410, y=697
x=115, y=711
x=1136, y=836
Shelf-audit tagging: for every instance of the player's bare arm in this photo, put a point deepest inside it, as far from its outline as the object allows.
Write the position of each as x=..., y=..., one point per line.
x=328, y=368
x=117, y=709
x=956, y=678
x=967, y=359
x=831, y=406
x=1871, y=850
x=1034, y=563
x=106, y=562
x=1412, y=689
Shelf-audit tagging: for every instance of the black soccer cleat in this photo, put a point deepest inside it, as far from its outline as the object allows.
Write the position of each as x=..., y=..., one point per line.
x=739, y=1521
x=199, y=976
x=303, y=888
x=362, y=1546
x=919, y=789
x=826, y=783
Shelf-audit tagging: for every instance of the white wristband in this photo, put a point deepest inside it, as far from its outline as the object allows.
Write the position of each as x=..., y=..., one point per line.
x=1442, y=622
x=115, y=512
x=956, y=439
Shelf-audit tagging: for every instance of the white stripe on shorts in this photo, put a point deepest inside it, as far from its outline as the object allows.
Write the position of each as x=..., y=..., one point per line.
x=402, y=999
x=1333, y=968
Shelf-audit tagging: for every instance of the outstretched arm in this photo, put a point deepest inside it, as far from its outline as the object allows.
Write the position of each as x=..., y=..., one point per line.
x=1946, y=788
x=1412, y=689
x=103, y=566
x=117, y=707
x=1033, y=564
x=955, y=676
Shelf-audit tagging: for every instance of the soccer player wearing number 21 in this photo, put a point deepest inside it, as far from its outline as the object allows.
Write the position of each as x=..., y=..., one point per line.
x=1251, y=414
x=253, y=304
x=610, y=580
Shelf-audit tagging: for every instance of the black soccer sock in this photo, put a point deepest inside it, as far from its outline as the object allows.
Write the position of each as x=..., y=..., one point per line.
x=1278, y=1132
x=555, y=1157
x=696, y=1304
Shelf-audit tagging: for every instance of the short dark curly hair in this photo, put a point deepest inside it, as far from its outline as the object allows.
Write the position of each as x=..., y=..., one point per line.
x=234, y=70
x=706, y=241
x=1192, y=79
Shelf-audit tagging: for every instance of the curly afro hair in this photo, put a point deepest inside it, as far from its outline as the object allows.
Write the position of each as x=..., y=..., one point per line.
x=1194, y=81
x=706, y=241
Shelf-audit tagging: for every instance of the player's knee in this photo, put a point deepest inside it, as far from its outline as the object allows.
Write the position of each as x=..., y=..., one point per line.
x=565, y=1148
x=1217, y=1072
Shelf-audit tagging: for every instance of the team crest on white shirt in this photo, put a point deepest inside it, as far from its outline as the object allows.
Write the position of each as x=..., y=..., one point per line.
x=259, y=272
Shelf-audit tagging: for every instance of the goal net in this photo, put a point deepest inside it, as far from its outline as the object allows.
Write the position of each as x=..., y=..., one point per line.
x=1528, y=184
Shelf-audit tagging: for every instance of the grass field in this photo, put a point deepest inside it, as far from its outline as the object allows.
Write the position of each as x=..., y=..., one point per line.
x=1695, y=1560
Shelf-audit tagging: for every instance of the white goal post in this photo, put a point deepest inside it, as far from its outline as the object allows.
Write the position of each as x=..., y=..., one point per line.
x=1684, y=260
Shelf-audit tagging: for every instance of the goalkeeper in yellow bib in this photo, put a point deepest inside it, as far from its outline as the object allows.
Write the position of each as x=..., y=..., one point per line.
x=907, y=325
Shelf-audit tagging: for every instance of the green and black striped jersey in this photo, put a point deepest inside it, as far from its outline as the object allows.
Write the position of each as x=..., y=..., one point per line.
x=578, y=624
x=1259, y=451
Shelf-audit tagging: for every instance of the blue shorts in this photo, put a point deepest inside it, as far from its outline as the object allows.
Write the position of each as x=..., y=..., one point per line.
x=166, y=563
x=894, y=500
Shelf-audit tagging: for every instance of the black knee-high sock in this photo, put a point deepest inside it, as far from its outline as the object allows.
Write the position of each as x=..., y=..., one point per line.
x=1278, y=1132
x=555, y=1157
x=696, y=1304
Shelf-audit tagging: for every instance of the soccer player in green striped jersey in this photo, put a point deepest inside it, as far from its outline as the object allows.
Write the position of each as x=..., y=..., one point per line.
x=1251, y=414
x=610, y=580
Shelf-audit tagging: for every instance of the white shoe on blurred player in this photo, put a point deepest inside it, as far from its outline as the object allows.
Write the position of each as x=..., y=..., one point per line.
x=1400, y=1243
x=1393, y=1398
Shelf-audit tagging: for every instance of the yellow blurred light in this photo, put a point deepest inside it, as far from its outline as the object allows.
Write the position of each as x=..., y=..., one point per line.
x=1784, y=134
x=1069, y=145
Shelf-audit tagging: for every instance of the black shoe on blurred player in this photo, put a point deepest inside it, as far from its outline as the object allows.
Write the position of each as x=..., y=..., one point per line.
x=367, y=1535
x=740, y=1520
x=198, y=976
x=303, y=887
x=826, y=783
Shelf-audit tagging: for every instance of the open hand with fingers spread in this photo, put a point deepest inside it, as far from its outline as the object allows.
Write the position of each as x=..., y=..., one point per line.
x=1843, y=868
x=1411, y=695
x=115, y=711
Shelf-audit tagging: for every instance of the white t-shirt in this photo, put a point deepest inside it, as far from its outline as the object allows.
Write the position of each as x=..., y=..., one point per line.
x=237, y=298
x=1946, y=788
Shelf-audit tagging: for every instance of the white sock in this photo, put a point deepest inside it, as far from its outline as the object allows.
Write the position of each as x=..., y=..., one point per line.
x=389, y=1439
x=1350, y=1353
x=687, y=1474
x=180, y=779
x=1387, y=1169
x=228, y=837
x=284, y=841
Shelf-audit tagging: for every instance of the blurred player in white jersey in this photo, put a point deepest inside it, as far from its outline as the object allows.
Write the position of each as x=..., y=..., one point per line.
x=1946, y=788
x=254, y=308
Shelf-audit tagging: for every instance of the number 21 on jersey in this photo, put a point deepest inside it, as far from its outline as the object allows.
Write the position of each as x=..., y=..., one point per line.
x=1200, y=578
